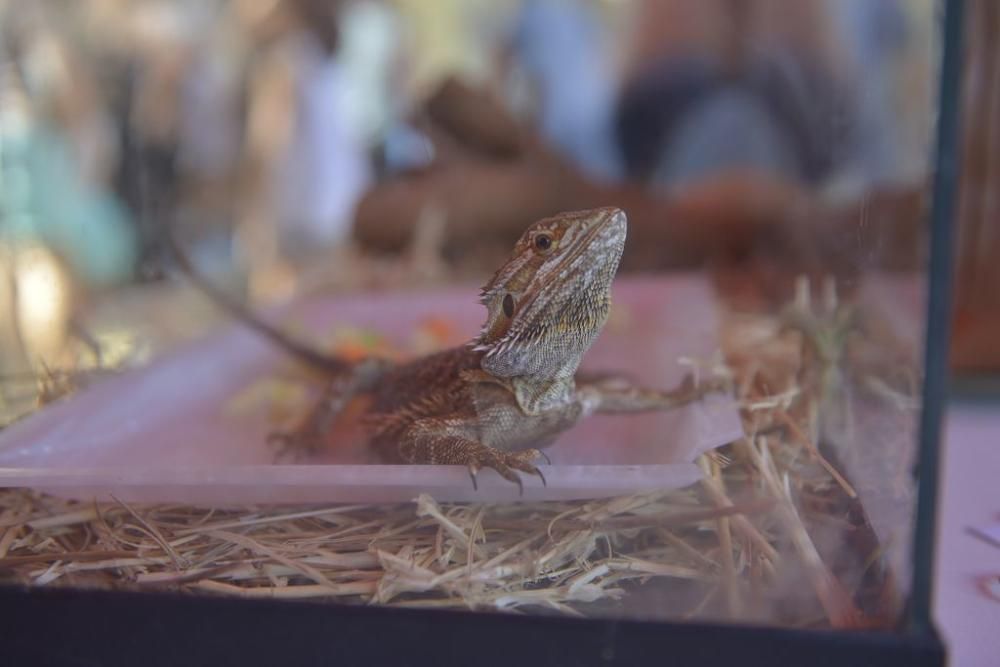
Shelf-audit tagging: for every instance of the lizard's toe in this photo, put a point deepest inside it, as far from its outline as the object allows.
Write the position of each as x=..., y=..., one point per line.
x=523, y=461
x=507, y=465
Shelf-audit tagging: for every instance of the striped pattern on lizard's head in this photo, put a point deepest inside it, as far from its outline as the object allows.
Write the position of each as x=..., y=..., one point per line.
x=551, y=298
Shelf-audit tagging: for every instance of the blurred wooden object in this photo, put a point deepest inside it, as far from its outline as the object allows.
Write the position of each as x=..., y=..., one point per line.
x=474, y=118
x=976, y=338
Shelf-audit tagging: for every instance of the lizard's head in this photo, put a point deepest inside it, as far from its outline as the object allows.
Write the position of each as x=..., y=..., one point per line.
x=549, y=301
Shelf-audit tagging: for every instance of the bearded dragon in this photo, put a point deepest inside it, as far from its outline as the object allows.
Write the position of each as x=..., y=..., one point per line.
x=497, y=401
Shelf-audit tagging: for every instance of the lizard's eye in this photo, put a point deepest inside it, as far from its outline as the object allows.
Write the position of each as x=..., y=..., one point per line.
x=543, y=241
x=508, y=305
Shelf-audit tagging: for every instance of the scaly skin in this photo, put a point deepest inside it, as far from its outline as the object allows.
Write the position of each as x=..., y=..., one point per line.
x=495, y=402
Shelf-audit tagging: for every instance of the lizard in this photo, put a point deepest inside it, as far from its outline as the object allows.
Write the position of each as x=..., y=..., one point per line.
x=497, y=401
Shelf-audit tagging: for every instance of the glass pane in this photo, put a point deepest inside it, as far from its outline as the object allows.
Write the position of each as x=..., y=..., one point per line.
x=730, y=437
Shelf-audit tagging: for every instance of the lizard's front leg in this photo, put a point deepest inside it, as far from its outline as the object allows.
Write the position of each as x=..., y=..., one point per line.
x=440, y=441
x=609, y=394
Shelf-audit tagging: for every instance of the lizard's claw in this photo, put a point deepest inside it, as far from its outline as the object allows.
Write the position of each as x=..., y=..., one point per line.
x=428, y=447
x=520, y=486
x=523, y=461
x=506, y=464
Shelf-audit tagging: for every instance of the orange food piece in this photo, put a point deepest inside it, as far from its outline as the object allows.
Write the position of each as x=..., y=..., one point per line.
x=440, y=328
x=352, y=350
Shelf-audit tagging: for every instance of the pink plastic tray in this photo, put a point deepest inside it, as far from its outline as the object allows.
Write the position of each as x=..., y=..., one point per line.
x=162, y=433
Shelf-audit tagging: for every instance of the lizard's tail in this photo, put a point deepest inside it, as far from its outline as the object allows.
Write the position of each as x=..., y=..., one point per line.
x=298, y=349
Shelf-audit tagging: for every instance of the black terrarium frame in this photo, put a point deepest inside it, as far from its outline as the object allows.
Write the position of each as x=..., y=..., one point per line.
x=112, y=628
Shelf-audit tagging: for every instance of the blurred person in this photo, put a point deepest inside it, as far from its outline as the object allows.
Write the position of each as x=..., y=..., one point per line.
x=276, y=125
x=562, y=52
x=735, y=123
x=305, y=157
x=324, y=166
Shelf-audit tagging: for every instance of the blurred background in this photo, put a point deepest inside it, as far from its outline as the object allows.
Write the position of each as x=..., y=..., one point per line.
x=296, y=146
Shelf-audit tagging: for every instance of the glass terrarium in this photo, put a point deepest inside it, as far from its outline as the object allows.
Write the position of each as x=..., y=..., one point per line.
x=698, y=396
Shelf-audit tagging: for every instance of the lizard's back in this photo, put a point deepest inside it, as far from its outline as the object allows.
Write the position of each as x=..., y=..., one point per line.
x=430, y=387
